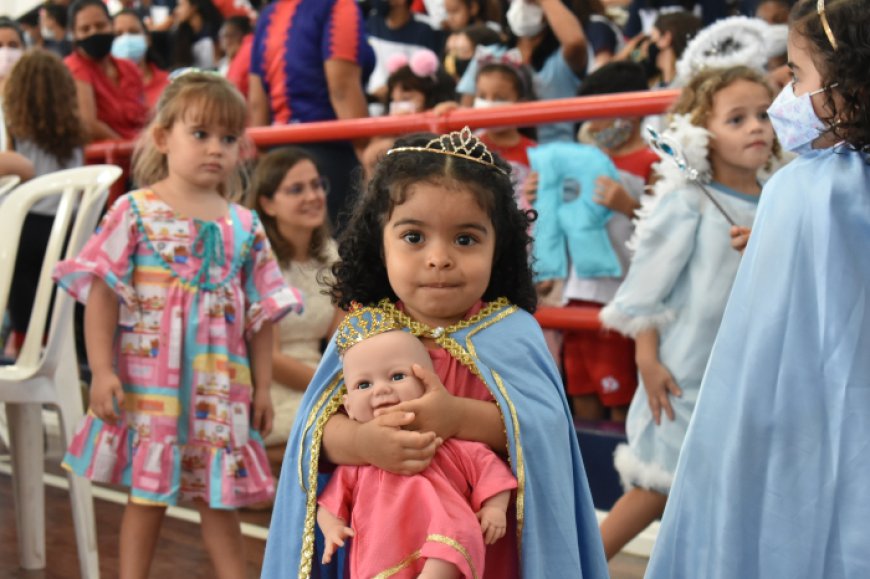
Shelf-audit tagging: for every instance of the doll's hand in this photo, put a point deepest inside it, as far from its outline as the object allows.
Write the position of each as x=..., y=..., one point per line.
x=493, y=523
x=335, y=532
x=436, y=410
x=530, y=188
x=659, y=385
x=740, y=237
x=611, y=194
x=382, y=442
x=106, y=391
x=261, y=418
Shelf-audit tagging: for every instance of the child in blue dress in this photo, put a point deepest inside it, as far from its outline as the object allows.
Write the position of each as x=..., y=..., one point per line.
x=680, y=276
x=772, y=478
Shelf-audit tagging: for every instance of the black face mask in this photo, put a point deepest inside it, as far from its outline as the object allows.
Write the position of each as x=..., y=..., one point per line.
x=96, y=46
x=461, y=65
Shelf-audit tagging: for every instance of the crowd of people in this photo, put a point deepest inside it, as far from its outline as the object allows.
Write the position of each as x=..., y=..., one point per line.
x=267, y=268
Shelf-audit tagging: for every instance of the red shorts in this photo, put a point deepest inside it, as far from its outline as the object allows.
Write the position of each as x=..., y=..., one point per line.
x=599, y=363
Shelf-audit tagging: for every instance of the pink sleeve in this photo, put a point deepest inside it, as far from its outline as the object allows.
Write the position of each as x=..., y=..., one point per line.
x=337, y=497
x=267, y=295
x=108, y=255
x=486, y=472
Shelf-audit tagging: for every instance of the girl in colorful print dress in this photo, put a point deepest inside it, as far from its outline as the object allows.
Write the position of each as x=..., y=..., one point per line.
x=181, y=290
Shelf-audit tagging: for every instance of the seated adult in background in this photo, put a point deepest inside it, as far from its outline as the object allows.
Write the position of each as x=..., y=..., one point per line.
x=236, y=38
x=194, y=40
x=11, y=48
x=309, y=62
x=53, y=29
x=110, y=90
x=289, y=195
x=133, y=42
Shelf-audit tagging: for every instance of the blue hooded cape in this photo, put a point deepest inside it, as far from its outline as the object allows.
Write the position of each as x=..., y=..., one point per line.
x=772, y=477
x=504, y=345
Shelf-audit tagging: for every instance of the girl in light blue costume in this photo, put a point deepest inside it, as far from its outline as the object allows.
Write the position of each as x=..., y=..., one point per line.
x=672, y=299
x=438, y=239
x=772, y=480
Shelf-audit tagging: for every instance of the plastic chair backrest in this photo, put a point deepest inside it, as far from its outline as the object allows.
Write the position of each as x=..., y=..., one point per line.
x=7, y=183
x=85, y=188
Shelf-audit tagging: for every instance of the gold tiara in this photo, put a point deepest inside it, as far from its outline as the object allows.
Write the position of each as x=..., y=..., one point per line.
x=462, y=144
x=820, y=8
x=363, y=322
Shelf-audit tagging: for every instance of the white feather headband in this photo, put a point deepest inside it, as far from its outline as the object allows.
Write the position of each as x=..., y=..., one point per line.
x=733, y=41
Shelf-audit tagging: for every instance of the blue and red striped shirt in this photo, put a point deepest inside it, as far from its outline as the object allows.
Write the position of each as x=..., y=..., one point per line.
x=293, y=40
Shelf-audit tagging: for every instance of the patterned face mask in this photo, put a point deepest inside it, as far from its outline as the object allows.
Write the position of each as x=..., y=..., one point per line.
x=614, y=136
x=794, y=119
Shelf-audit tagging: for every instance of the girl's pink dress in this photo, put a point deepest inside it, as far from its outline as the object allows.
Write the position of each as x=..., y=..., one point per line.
x=190, y=293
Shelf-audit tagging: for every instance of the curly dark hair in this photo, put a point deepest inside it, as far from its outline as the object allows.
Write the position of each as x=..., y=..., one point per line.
x=847, y=66
x=361, y=275
x=40, y=105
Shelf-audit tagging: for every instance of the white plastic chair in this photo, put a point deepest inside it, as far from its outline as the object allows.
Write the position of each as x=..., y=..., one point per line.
x=7, y=184
x=49, y=374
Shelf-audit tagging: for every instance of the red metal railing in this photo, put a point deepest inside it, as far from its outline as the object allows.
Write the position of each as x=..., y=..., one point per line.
x=632, y=104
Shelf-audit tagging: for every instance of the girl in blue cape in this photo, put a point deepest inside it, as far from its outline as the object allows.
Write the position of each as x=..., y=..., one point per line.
x=674, y=295
x=438, y=240
x=772, y=479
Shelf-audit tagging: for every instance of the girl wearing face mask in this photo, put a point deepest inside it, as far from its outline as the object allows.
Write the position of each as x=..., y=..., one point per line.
x=552, y=43
x=110, y=90
x=498, y=84
x=133, y=42
x=11, y=49
x=772, y=474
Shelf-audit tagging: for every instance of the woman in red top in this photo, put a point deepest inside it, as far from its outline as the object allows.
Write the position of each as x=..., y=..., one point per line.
x=133, y=42
x=109, y=90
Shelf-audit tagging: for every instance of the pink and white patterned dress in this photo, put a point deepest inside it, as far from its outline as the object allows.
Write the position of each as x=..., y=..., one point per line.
x=190, y=293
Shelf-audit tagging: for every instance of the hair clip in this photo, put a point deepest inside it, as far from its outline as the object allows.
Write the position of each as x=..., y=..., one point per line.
x=820, y=8
x=360, y=323
x=668, y=148
x=185, y=70
x=512, y=57
x=463, y=144
x=423, y=63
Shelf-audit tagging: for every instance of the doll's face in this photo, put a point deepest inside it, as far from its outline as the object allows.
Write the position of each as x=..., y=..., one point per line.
x=377, y=373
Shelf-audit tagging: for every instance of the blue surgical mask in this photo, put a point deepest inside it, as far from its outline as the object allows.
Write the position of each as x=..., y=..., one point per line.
x=130, y=46
x=795, y=121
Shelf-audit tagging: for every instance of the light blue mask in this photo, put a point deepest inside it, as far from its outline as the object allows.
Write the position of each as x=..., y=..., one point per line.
x=130, y=46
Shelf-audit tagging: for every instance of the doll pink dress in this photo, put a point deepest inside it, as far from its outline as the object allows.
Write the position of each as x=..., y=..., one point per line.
x=400, y=521
x=191, y=292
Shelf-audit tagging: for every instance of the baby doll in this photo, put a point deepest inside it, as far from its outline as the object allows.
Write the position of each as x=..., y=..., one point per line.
x=447, y=512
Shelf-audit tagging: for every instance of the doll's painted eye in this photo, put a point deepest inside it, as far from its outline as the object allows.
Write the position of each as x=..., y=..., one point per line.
x=398, y=376
x=363, y=385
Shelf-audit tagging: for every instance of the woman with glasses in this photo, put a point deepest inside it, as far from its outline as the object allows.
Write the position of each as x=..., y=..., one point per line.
x=289, y=194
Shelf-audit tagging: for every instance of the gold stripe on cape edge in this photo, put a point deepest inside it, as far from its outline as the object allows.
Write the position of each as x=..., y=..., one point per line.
x=307, y=554
x=435, y=538
x=328, y=393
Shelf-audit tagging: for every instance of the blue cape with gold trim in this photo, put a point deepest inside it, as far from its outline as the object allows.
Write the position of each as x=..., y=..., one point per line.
x=559, y=532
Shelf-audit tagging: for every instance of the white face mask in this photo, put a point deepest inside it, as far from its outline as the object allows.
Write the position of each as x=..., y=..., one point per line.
x=525, y=19
x=8, y=57
x=402, y=107
x=795, y=121
x=480, y=103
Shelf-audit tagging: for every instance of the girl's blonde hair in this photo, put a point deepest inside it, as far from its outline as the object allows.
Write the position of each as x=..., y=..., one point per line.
x=40, y=105
x=199, y=97
x=696, y=98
